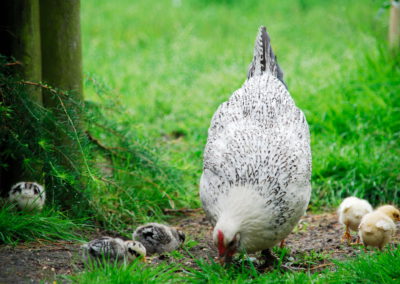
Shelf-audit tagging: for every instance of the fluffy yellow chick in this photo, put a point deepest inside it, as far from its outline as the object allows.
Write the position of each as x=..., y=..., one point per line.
x=350, y=212
x=378, y=228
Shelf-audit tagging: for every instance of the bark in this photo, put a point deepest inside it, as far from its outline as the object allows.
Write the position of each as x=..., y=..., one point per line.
x=61, y=47
x=62, y=67
x=20, y=38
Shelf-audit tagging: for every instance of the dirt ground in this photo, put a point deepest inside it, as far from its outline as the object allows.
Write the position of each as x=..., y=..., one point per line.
x=312, y=245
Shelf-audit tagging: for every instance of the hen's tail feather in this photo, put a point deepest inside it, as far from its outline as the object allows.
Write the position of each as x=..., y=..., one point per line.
x=264, y=59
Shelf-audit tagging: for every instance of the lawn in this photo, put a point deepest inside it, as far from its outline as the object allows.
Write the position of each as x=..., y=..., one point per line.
x=174, y=63
x=155, y=72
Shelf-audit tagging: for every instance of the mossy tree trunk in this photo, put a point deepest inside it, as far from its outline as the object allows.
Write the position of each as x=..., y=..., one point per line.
x=20, y=38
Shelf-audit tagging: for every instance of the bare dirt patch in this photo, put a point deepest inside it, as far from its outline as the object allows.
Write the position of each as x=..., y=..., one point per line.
x=312, y=245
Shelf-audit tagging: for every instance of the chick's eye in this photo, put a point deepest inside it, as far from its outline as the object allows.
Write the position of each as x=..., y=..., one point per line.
x=231, y=243
x=133, y=252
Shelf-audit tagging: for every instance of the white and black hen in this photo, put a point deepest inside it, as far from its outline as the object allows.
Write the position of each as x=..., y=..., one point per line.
x=28, y=195
x=113, y=249
x=158, y=238
x=256, y=176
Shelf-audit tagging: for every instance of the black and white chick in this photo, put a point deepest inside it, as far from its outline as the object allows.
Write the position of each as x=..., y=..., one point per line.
x=158, y=238
x=28, y=195
x=113, y=249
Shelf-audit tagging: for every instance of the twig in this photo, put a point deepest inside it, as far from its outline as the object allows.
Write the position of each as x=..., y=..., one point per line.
x=320, y=266
x=181, y=210
x=13, y=63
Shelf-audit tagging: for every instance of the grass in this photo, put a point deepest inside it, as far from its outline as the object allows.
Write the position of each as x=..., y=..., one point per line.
x=135, y=272
x=371, y=267
x=48, y=225
x=174, y=64
x=380, y=267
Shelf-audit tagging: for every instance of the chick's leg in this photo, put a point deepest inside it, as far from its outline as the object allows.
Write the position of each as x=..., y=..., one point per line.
x=346, y=236
x=357, y=242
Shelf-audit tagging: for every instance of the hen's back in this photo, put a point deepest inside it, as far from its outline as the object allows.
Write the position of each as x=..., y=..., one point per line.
x=258, y=137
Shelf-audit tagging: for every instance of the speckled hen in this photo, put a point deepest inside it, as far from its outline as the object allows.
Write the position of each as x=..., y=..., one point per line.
x=255, y=184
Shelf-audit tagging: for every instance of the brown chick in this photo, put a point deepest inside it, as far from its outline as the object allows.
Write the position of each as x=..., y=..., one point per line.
x=377, y=228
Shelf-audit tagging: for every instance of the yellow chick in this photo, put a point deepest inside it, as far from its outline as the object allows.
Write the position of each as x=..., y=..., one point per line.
x=350, y=212
x=378, y=228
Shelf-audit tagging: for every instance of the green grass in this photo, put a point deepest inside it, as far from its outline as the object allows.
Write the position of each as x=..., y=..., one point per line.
x=173, y=64
x=21, y=226
x=372, y=267
x=378, y=267
x=135, y=272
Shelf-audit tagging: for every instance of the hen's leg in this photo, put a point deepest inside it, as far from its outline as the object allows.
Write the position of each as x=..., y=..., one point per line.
x=269, y=258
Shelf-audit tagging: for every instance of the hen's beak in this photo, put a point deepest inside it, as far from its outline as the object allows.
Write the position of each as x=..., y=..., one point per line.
x=225, y=258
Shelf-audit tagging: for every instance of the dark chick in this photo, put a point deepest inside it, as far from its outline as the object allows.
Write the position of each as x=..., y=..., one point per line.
x=158, y=238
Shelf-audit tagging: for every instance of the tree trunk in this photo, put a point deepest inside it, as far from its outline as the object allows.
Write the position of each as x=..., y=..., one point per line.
x=20, y=38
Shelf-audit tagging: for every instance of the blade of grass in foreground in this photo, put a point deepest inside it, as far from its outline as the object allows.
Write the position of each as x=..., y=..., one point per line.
x=136, y=272
x=17, y=226
x=373, y=267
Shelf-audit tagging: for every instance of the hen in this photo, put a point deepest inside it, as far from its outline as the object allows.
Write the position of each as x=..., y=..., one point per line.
x=255, y=184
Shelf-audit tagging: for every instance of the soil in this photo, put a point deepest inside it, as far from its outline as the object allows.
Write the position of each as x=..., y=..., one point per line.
x=311, y=246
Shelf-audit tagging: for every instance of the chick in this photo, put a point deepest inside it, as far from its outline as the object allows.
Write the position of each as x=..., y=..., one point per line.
x=378, y=228
x=158, y=238
x=28, y=195
x=113, y=249
x=135, y=249
x=350, y=212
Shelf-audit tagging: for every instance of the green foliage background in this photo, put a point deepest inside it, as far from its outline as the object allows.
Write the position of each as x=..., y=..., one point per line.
x=174, y=63
x=154, y=77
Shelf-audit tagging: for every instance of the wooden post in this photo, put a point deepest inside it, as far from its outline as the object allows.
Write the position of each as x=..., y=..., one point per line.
x=394, y=25
x=20, y=34
x=20, y=38
x=61, y=47
x=62, y=67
